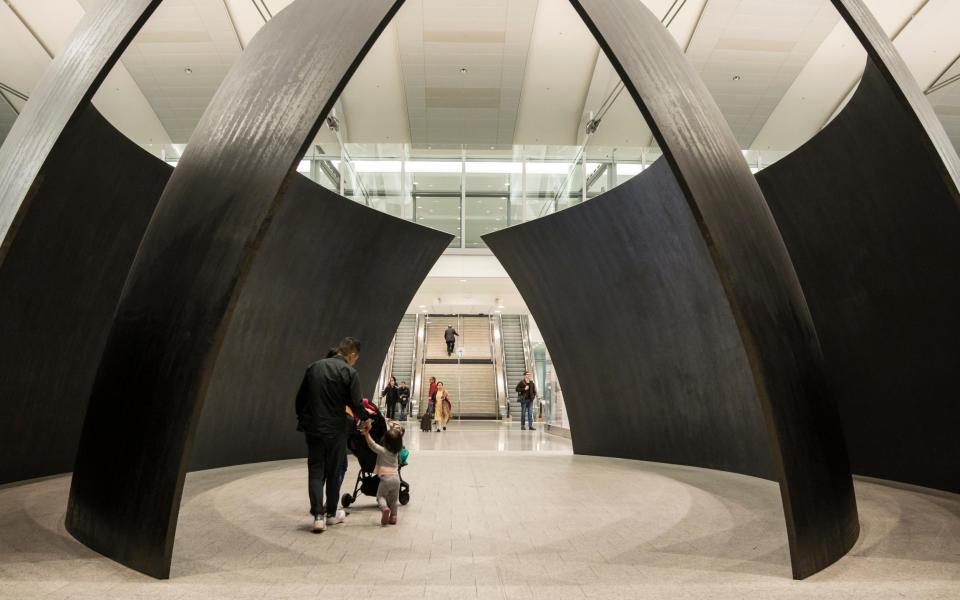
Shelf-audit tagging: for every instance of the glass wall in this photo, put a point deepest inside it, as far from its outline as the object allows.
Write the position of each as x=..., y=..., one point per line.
x=469, y=192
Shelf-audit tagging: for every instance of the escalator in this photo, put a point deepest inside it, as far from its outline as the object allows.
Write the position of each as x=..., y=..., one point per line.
x=515, y=357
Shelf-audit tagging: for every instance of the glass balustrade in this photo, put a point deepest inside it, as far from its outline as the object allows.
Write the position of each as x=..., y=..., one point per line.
x=468, y=191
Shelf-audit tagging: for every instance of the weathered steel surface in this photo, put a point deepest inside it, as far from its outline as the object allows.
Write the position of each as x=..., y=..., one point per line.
x=639, y=329
x=59, y=286
x=757, y=275
x=904, y=88
x=871, y=220
x=190, y=271
x=328, y=268
x=65, y=88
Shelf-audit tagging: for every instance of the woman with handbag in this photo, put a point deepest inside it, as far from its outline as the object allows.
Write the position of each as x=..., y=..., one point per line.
x=443, y=407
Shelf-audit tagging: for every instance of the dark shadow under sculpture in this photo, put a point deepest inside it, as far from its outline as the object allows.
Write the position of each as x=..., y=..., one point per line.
x=191, y=270
x=873, y=226
x=328, y=268
x=758, y=279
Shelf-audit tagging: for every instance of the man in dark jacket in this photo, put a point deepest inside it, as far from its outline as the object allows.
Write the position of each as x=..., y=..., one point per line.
x=450, y=336
x=527, y=393
x=329, y=387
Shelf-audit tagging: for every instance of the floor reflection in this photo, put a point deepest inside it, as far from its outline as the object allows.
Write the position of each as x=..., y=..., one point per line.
x=485, y=436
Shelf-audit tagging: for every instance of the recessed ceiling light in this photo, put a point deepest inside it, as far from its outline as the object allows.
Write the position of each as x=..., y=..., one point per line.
x=736, y=78
x=188, y=70
x=463, y=281
x=463, y=70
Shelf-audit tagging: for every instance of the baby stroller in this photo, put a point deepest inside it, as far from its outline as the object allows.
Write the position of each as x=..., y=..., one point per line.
x=367, y=483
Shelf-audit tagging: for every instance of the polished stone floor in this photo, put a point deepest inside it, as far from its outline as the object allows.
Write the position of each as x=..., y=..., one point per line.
x=495, y=513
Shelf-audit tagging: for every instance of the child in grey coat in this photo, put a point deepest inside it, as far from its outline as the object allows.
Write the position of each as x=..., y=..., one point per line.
x=388, y=493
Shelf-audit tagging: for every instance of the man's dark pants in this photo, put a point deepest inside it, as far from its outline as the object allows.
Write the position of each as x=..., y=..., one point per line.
x=450, y=347
x=526, y=413
x=325, y=459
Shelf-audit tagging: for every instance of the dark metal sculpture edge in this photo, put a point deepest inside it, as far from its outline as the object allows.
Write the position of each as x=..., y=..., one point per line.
x=190, y=270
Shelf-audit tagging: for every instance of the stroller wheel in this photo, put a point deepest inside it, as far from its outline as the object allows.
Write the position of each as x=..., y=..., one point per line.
x=404, y=497
x=347, y=500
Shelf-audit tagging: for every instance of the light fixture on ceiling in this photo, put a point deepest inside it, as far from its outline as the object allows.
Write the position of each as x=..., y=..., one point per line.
x=188, y=71
x=463, y=281
x=463, y=70
x=736, y=78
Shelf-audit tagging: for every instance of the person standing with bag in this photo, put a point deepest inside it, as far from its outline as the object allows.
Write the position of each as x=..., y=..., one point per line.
x=527, y=393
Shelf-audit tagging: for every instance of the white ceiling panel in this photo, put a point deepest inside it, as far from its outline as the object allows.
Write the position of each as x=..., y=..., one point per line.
x=179, y=59
x=749, y=52
x=826, y=79
x=560, y=64
x=48, y=24
x=463, y=66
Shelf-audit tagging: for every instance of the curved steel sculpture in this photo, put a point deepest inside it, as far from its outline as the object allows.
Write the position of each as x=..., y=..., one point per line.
x=757, y=276
x=870, y=211
x=65, y=88
x=70, y=223
x=669, y=379
x=59, y=286
x=328, y=268
x=701, y=262
x=191, y=268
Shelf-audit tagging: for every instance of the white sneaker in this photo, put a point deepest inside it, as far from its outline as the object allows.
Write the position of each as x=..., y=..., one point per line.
x=319, y=524
x=337, y=518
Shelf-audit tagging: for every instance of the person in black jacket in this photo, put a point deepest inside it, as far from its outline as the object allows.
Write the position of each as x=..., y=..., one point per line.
x=527, y=393
x=329, y=387
x=403, y=395
x=392, y=392
x=450, y=337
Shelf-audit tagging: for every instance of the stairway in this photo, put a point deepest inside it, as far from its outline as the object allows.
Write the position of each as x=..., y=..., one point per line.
x=471, y=382
x=514, y=361
x=470, y=386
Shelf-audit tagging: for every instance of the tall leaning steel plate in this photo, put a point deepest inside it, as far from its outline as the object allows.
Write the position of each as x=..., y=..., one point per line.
x=625, y=283
x=190, y=270
x=758, y=277
x=66, y=87
x=55, y=309
x=875, y=237
x=329, y=267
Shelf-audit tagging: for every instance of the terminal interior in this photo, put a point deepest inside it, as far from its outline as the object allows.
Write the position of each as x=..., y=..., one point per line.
x=486, y=123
